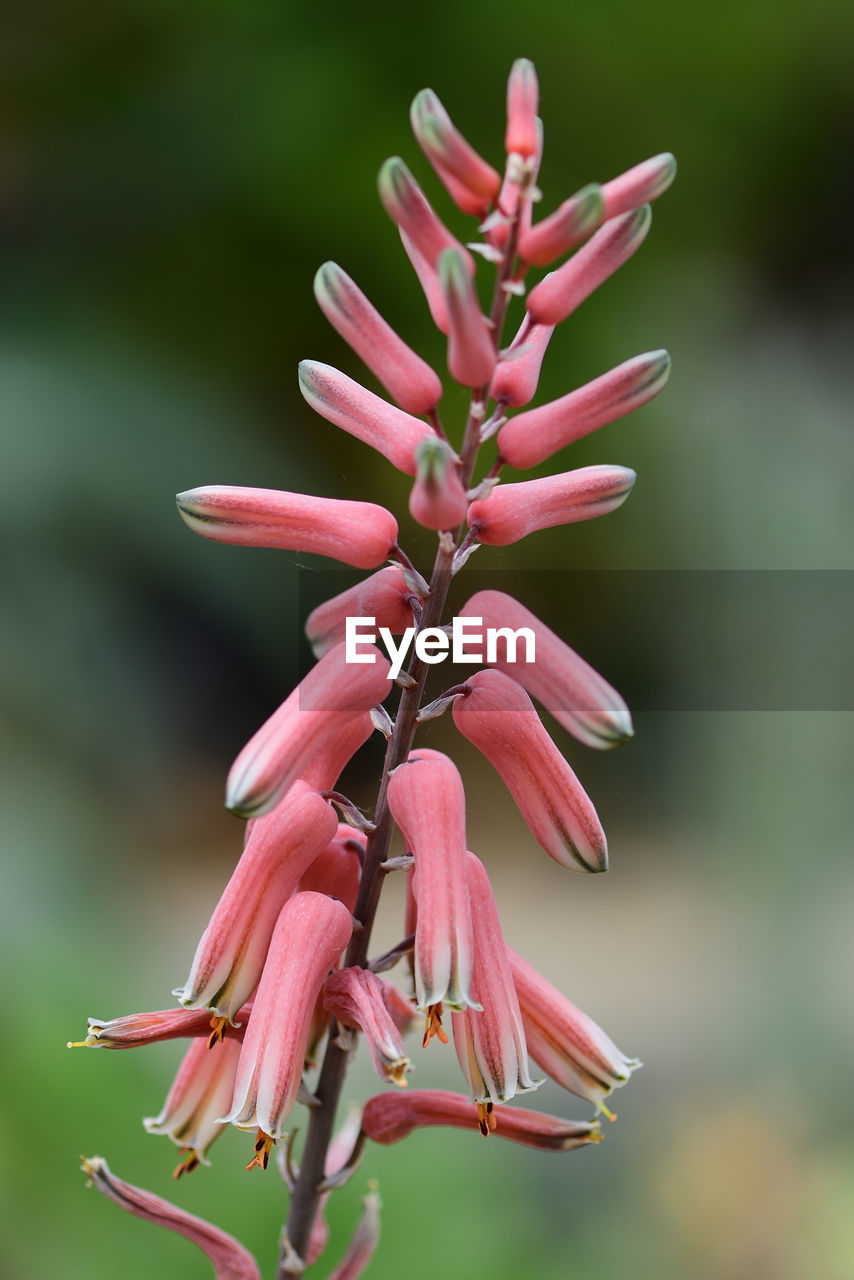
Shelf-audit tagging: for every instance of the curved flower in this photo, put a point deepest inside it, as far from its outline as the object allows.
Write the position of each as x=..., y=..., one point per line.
x=438, y=499
x=309, y=721
x=359, y=998
x=427, y=801
x=517, y=373
x=202, y=1090
x=384, y=596
x=490, y=1044
x=310, y=934
x=135, y=1029
x=471, y=347
x=576, y=695
x=408, y=207
x=646, y=181
x=357, y=533
x=562, y=230
x=391, y=1117
x=471, y=183
x=498, y=717
x=511, y=511
x=231, y=954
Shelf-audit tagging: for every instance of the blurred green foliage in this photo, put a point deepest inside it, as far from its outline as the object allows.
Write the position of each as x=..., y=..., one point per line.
x=171, y=177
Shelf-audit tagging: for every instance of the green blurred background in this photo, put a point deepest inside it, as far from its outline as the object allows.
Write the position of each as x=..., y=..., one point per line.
x=170, y=178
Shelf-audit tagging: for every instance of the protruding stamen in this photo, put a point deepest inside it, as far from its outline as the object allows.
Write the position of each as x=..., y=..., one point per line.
x=263, y=1144
x=433, y=1025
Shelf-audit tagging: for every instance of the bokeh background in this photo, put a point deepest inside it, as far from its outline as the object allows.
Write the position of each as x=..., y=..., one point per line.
x=171, y=176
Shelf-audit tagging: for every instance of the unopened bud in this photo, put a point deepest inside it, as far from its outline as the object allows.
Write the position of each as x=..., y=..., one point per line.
x=522, y=104
x=640, y=185
x=471, y=182
x=568, y=226
x=512, y=511
x=517, y=373
x=471, y=349
x=408, y=207
x=438, y=499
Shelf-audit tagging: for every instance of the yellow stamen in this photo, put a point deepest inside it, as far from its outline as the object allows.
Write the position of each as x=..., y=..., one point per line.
x=188, y=1164
x=433, y=1025
x=79, y=1044
x=612, y=1115
x=218, y=1026
x=263, y=1143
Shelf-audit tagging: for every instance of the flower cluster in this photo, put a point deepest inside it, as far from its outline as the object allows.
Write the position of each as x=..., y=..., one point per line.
x=283, y=973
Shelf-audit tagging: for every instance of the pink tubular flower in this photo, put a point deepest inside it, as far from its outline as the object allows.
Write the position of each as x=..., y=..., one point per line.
x=518, y=371
x=511, y=511
x=531, y=437
x=575, y=694
x=498, y=717
x=350, y=406
x=229, y=1258
x=427, y=801
x=310, y=934
x=357, y=533
x=337, y=869
x=523, y=94
x=391, y=1117
x=471, y=349
x=637, y=186
x=438, y=499
x=569, y=225
x=202, y=1091
x=332, y=694
x=408, y=207
x=359, y=998
x=327, y=764
x=568, y=1045
x=231, y=954
x=363, y=1242
x=384, y=596
x=428, y=278
x=135, y=1029
x=471, y=182
x=408, y=379
x=556, y=297
x=490, y=1044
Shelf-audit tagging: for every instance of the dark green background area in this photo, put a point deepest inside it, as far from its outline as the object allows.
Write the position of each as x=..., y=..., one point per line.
x=170, y=179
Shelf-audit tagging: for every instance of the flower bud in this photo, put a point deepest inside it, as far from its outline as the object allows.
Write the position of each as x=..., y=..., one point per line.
x=558, y=295
x=498, y=718
x=358, y=998
x=568, y=226
x=523, y=94
x=472, y=183
x=310, y=934
x=363, y=1242
x=280, y=849
x=640, y=185
x=229, y=1258
x=438, y=499
x=337, y=869
x=408, y=379
x=309, y=721
x=408, y=207
x=428, y=278
x=518, y=371
x=391, y=1117
x=568, y=1045
x=201, y=1092
x=384, y=596
x=563, y=682
x=515, y=196
x=511, y=511
x=369, y=418
x=357, y=533
x=531, y=437
x=490, y=1044
x=471, y=349
x=427, y=801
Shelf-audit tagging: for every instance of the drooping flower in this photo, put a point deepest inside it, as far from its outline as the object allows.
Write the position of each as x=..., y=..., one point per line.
x=363, y=1242
x=471, y=347
x=490, y=1043
x=310, y=934
x=359, y=998
x=438, y=499
x=562, y=1040
x=358, y=533
x=231, y=954
x=230, y=1260
x=511, y=511
x=470, y=181
x=406, y=377
x=576, y=695
x=531, y=437
x=356, y=410
x=391, y=1116
x=564, y=290
x=498, y=718
x=333, y=693
x=427, y=801
x=202, y=1091
x=385, y=596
